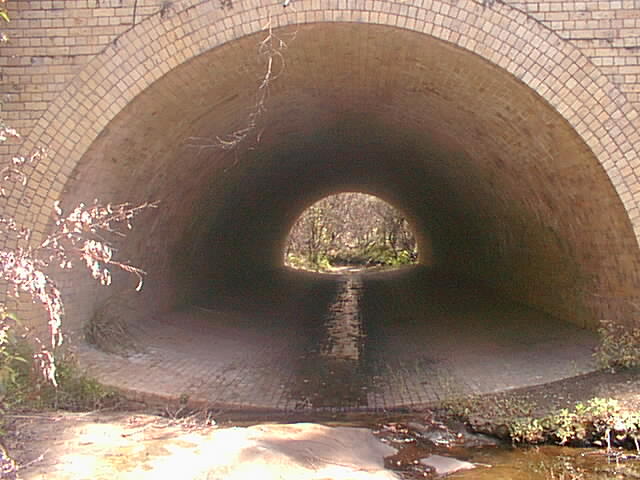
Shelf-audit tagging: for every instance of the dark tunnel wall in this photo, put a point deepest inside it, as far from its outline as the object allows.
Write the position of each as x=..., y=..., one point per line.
x=502, y=188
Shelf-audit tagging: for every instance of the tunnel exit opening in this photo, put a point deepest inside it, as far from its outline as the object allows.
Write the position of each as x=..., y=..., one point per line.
x=350, y=231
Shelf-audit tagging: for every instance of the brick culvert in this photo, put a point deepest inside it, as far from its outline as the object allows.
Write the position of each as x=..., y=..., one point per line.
x=522, y=207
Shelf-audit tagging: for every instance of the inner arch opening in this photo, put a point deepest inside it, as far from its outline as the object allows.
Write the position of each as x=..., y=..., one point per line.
x=350, y=231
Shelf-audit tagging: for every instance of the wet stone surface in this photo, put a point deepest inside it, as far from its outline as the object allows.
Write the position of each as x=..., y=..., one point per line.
x=331, y=372
x=372, y=342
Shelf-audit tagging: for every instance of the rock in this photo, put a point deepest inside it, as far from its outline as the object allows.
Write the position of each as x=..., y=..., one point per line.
x=418, y=427
x=490, y=426
x=445, y=465
x=435, y=433
x=304, y=451
x=478, y=440
x=440, y=437
x=450, y=435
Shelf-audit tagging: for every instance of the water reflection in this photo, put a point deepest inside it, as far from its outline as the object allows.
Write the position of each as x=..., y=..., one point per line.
x=344, y=333
x=331, y=373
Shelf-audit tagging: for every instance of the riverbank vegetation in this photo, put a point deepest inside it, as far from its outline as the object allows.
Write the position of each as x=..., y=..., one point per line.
x=599, y=421
x=22, y=387
x=619, y=346
x=599, y=409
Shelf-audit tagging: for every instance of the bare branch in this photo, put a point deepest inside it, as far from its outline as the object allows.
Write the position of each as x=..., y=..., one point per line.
x=84, y=234
x=270, y=49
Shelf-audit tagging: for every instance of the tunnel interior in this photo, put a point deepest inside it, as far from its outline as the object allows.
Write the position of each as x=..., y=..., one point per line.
x=504, y=191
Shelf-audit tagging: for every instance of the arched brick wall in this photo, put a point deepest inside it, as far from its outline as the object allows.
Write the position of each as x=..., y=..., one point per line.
x=559, y=73
x=553, y=68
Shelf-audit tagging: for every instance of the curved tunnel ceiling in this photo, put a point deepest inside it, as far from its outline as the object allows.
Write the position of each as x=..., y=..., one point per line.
x=506, y=191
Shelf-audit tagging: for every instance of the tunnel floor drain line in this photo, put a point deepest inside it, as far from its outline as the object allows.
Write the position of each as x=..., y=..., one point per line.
x=330, y=373
x=344, y=323
x=414, y=351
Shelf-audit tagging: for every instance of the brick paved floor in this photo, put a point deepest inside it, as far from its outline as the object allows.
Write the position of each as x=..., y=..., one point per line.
x=369, y=341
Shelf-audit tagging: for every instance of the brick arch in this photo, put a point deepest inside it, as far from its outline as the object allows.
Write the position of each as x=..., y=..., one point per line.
x=508, y=38
x=598, y=113
x=504, y=39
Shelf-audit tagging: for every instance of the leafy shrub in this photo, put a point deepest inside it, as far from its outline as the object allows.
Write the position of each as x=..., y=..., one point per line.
x=566, y=426
x=12, y=361
x=619, y=346
x=318, y=264
x=527, y=430
x=598, y=421
x=23, y=387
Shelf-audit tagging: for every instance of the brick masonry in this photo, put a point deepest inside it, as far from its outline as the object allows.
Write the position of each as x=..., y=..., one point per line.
x=72, y=73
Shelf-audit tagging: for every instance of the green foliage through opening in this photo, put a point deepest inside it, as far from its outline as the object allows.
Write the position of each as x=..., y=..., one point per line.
x=350, y=229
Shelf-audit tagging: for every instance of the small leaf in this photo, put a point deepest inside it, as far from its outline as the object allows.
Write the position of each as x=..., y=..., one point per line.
x=5, y=15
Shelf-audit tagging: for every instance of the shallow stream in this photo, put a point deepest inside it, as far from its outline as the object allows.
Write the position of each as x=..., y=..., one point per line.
x=544, y=463
x=479, y=457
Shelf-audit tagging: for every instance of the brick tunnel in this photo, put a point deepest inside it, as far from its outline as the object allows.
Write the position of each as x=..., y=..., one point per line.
x=525, y=230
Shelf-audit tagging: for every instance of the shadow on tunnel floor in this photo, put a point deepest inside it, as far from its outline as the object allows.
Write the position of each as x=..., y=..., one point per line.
x=297, y=341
